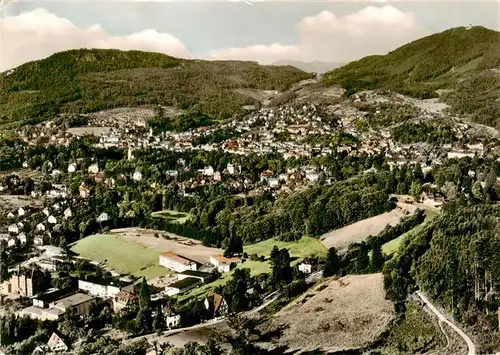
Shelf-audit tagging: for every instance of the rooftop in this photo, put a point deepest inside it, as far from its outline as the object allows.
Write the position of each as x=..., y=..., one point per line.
x=222, y=259
x=182, y=284
x=74, y=300
x=177, y=258
x=195, y=273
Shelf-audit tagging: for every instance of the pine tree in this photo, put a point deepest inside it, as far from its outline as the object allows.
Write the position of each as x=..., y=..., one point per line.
x=145, y=296
x=159, y=322
x=332, y=265
x=377, y=260
x=363, y=259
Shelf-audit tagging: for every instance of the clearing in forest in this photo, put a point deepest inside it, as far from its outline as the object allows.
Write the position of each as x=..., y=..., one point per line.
x=348, y=313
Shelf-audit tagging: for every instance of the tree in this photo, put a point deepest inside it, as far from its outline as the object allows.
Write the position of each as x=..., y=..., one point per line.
x=159, y=323
x=235, y=247
x=416, y=189
x=332, y=265
x=362, y=259
x=280, y=264
x=477, y=190
x=377, y=260
x=145, y=295
x=235, y=290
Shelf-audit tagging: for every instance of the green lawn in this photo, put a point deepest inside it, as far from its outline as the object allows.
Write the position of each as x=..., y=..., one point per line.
x=125, y=257
x=392, y=246
x=173, y=216
x=303, y=248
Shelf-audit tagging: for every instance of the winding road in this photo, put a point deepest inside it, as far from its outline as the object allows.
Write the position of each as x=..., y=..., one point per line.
x=442, y=318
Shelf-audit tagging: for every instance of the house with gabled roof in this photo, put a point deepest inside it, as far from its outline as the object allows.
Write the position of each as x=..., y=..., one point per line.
x=56, y=344
x=216, y=305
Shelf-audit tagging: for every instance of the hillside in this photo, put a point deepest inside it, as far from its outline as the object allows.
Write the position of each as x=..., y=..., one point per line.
x=461, y=59
x=310, y=67
x=453, y=259
x=89, y=80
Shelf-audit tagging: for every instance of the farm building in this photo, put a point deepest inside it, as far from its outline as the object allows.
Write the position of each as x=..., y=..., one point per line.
x=176, y=262
x=182, y=286
x=203, y=276
x=224, y=264
x=101, y=288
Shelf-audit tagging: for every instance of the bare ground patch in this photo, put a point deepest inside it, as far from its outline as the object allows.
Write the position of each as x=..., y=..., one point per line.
x=15, y=201
x=347, y=313
x=189, y=248
x=357, y=232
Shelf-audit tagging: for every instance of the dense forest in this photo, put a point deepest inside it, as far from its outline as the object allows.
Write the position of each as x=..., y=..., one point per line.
x=454, y=259
x=455, y=59
x=84, y=80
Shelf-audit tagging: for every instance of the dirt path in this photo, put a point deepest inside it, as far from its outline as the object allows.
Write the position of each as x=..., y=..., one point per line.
x=442, y=318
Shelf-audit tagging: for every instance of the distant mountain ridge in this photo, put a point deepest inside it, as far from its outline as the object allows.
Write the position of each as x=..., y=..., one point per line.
x=89, y=80
x=463, y=60
x=310, y=67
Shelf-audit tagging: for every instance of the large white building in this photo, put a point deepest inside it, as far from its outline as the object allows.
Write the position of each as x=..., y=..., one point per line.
x=176, y=262
x=224, y=264
x=100, y=289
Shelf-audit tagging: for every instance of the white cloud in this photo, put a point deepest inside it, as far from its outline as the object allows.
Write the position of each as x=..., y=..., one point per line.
x=37, y=34
x=327, y=37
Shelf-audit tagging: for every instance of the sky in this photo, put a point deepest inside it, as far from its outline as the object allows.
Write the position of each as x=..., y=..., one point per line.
x=264, y=31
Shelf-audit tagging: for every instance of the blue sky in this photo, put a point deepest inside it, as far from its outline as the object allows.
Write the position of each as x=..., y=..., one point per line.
x=264, y=31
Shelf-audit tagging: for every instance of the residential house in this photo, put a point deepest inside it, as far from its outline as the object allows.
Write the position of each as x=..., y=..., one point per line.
x=52, y=219
x=10, y=215
x=103, y=217
x=308, y=265
x=137, y=176
x=216, y=305
x=172, y=319
x=182, y=286
x=72, y=168
x=40, y=227
x=124, y=299
x=56, y=344
x=67, y=213
x=13, y=228
x=93, y=169
x=224, y=264
x=21, y=212
x=38, y=240
x=176, y=262
x=217, y=176
x=84, y=191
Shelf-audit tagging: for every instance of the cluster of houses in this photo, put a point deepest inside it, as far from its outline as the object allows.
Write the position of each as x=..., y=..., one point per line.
x=191, y=274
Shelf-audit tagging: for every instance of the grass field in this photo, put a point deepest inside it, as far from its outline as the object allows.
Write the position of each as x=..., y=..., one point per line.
x=392, y=246
x=123, y=256
x=417, y=333
x=335, y=315
x=173, y=216
x=298, y=250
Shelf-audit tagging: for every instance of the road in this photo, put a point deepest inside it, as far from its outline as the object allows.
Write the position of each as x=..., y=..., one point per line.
x=442, y=318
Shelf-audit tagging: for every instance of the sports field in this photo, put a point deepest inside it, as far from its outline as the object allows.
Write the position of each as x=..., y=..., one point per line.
x=121, y=255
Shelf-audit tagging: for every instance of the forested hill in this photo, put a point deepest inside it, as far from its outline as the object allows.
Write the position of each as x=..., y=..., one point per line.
x=455, y=260
x=89, y=80
x=464, y=60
